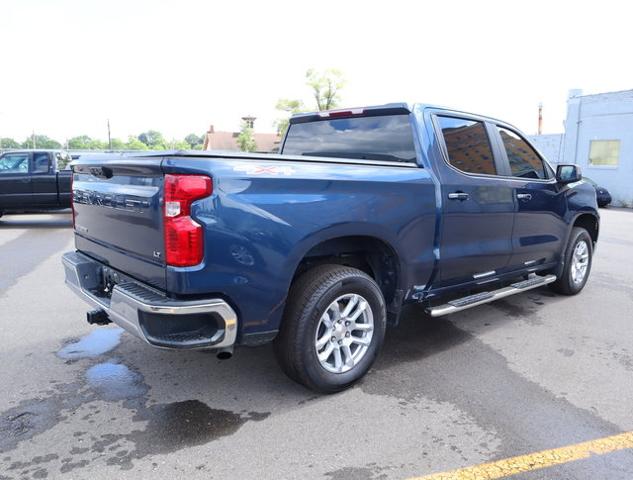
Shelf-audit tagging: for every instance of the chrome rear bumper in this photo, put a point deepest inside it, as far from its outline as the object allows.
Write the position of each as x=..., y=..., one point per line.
x=139, y=309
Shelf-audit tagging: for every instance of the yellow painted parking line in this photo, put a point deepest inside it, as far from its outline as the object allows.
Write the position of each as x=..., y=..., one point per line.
x=535, y=461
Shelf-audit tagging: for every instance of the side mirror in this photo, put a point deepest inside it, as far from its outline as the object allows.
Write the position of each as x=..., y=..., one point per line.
x=568, y=174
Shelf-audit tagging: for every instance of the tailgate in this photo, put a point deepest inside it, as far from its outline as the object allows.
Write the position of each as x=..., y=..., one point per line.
x=118, y=214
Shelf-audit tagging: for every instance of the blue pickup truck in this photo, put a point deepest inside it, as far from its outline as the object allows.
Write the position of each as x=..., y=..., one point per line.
x=319, y=247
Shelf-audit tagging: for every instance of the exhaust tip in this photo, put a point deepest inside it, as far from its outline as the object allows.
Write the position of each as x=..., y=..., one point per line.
x=98, y=317
x=225, y=353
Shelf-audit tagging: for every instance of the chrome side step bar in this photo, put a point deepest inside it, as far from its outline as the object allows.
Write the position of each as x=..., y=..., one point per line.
x=470, y=301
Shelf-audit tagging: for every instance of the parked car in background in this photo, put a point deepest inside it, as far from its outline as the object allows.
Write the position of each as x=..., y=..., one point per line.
x=34, y=181
x=318, y=248
x=602, y=194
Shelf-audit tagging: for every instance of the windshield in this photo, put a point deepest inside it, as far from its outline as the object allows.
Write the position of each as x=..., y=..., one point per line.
x=387, y=138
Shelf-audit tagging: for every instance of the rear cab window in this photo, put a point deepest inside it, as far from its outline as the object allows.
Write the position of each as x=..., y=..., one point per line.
x=380, y=138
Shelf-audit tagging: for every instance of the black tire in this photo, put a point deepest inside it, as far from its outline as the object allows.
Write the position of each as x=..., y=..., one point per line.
x=309, y=297
x=565, y=284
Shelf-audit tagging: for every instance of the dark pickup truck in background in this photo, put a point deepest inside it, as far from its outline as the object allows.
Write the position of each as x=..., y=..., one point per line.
x=318, y=248
x=34, y=181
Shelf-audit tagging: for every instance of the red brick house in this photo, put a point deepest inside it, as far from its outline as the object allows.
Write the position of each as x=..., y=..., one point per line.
x=216, y=140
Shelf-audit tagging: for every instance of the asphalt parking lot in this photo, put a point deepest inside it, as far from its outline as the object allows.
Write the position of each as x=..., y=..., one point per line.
x=529, y=373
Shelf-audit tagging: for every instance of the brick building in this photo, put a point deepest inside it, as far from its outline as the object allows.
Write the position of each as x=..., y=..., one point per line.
x=220, y=140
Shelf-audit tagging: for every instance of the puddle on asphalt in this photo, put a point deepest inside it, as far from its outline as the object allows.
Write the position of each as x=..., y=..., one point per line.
x=165, y=427
x=96, y=343
x=114, y=381
x=170, y=427
x=177, y=425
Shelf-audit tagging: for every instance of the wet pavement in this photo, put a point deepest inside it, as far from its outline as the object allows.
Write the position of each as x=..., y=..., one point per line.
x=528, y=373
x=97, y=342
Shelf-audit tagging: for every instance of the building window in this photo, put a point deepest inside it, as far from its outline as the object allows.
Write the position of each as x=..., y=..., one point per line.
x=604, y=153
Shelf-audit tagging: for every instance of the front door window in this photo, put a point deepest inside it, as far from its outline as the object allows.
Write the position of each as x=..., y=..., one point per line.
x=14, y=163
x=524, y=161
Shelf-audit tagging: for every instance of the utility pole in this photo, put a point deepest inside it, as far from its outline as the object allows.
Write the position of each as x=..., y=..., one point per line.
x=33, y=139
x=109, y=138
x=540, y=118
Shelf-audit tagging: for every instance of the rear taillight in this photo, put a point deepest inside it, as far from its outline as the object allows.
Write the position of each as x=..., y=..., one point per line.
x=184, y=242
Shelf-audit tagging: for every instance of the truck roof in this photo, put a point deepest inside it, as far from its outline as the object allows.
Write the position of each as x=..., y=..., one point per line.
x=386, y=109
x=371, y=110
x=29, y=150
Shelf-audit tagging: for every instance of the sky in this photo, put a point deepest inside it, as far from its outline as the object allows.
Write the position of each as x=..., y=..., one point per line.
x=178, y=66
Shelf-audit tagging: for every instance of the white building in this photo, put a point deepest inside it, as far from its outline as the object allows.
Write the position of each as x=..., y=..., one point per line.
x=550, y=145
x=598, y=137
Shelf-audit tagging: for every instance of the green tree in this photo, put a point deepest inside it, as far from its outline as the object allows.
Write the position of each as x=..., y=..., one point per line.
x=62, y=162
x=97, y=144
x=41, y=141
x=8, y=143
x=134, y=143
x=180, y=145
x=118, y=144
x=245, y=139
x=192, y=139
x=153, y=139
x=290, y=106
x=325, y=87
x=84, y=142
x=80, y=142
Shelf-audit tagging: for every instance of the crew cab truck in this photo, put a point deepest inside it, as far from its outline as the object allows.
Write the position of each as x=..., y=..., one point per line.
x=34, y=181
x=319, y=247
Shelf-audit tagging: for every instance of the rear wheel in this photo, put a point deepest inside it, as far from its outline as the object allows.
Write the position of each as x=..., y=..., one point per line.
x=578, y=257
x=333, y=328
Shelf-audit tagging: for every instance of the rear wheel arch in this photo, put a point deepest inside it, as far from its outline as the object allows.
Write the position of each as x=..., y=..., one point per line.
x=370, y=254
x=300, y=340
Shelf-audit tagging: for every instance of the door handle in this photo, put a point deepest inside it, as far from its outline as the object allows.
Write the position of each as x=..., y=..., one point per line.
x=458, y=196
x=524, y=196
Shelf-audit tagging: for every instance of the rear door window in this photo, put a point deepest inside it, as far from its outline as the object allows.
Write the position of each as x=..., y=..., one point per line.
x=41, y=162
x=385, y=138
x=467, y=145
x=524, y=161
x=14, y=163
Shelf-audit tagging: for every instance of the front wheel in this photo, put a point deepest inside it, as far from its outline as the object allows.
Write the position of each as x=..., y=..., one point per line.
x=333, y=328
x=578, y=257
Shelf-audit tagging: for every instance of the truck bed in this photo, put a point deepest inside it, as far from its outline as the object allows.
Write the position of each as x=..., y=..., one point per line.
x=265, y=213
